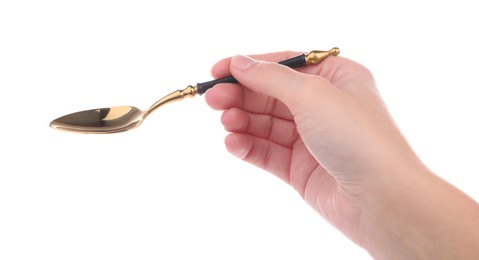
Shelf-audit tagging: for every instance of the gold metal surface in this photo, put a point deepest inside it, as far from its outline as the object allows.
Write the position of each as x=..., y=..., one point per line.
x=315, y=57
x=124, y=118
x=189, y=91
x=114, y=119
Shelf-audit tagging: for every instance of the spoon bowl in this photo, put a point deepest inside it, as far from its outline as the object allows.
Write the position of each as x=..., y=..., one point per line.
x=101, y=120
x=117, y=119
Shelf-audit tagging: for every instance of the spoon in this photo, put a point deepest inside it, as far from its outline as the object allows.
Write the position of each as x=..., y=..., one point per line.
x=123, y=118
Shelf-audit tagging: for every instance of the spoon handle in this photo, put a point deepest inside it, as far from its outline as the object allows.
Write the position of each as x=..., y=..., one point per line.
x=314, y=57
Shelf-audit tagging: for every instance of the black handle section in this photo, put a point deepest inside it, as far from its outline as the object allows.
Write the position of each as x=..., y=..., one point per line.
x=295, y=62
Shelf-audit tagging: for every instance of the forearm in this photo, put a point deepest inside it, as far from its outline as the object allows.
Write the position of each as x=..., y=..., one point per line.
x=420, y=216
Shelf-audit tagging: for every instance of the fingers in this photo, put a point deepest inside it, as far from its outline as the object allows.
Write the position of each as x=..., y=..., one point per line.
x=342, y=72
x=299, y=88
x=285, y=84
x=277, y=130
x=226, y=96
x=261, y=153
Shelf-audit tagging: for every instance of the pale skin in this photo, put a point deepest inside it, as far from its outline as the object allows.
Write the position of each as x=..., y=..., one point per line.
x=326, y=131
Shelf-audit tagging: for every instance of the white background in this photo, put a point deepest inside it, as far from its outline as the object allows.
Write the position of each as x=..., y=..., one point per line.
x=168, y=189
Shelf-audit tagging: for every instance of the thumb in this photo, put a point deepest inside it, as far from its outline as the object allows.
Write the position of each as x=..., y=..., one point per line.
x=278, y=81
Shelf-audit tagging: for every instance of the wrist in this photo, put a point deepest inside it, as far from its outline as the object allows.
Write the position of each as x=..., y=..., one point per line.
x=417, y=215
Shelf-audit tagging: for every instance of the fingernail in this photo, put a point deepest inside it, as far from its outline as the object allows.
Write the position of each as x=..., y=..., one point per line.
x=239, y=153
x=242, y=62
x=236, y=146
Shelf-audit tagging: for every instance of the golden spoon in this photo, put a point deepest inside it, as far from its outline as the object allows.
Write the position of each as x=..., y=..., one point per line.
x=124, y=118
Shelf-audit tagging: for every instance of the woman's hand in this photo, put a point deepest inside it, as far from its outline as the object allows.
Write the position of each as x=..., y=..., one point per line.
x=324, y=130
